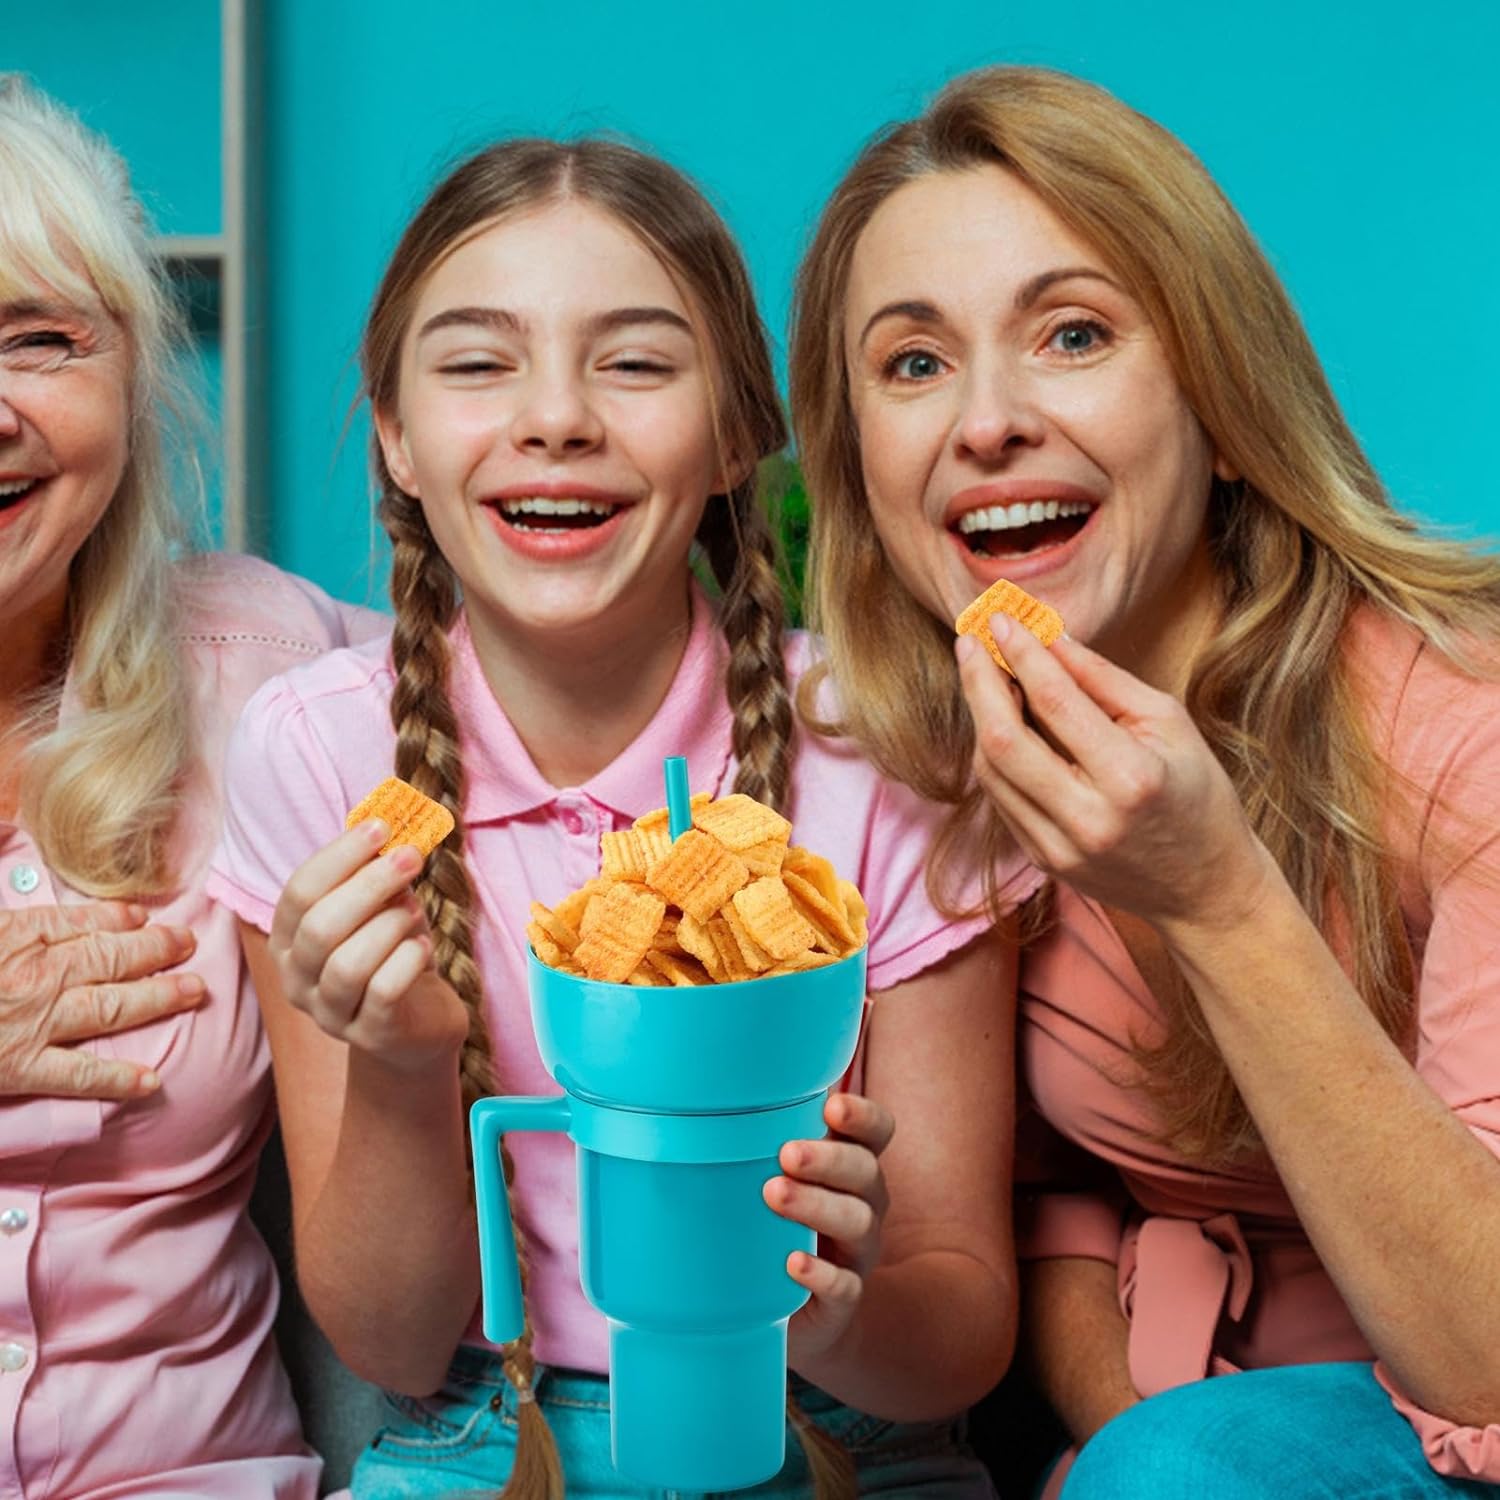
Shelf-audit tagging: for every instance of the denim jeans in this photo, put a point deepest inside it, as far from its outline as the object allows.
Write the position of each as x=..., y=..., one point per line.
x=462, y=1441
x=1292, y=1433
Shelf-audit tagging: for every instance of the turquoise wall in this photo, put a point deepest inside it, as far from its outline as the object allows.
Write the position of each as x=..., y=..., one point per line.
x=1359, y=141
x=146, y=74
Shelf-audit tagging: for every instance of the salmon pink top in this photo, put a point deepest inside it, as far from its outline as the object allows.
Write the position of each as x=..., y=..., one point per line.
x=1215, y=1272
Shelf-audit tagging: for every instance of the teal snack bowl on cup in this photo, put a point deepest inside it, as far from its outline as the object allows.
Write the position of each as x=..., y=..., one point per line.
x=678, y=1100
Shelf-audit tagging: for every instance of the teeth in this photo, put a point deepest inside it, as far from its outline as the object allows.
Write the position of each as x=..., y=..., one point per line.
x=11, y=487
x=1004, y=517
x=541, y=505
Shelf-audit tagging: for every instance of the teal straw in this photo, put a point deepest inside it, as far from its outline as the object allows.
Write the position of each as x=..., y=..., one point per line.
x=679, y=804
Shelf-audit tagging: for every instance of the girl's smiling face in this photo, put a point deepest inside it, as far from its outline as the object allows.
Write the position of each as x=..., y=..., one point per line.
x=1018, y=417
x=64, y=441
x=555, y=419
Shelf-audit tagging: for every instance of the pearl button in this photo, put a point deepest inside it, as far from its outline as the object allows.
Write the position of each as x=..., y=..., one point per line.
x=13, y=1220
x=572, y=822
x=13, y=1357
x=24, y=879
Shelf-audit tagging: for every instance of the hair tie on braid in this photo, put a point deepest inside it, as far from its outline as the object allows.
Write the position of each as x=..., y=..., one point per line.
x=524, y=1390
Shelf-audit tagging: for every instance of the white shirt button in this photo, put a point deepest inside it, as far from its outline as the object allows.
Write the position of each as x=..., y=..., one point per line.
x=13, y=1220
x=24, y=879
x=13, y=1357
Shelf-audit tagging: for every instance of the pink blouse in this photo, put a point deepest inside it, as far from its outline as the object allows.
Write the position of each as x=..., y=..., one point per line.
x=1215, y=1272
x=136, y=1301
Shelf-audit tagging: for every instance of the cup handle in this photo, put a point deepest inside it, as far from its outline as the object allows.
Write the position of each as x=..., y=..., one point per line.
x=499, y=1274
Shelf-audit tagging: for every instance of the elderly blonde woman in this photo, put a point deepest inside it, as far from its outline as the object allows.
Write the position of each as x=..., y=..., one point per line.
x=1260, y=1001
x=136, y=1355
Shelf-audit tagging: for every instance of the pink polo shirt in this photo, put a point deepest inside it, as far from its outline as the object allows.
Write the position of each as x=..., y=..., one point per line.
x=136, y=1301
x=312, y=744
x=1215, y=1270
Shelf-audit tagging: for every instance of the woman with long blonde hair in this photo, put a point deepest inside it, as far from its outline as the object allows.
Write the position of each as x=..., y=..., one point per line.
x=571, y=391
x=1260, y=994
x=136, y=1350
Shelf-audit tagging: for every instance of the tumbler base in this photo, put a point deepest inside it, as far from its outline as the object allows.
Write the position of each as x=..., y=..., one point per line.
x=698, y=1411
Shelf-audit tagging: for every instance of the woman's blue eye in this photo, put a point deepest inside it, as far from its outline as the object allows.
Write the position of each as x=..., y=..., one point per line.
x=1078, y=338
x=917, y=365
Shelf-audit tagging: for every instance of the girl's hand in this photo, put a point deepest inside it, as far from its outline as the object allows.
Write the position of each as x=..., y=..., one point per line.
x=1123, y=798
x=836, y=1187
x=351, y=945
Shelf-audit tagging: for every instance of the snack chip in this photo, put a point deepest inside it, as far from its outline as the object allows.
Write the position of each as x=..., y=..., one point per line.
x=1005, y=598
x=698, y=874
x=618, y=929
x=731, y=899
x=412, y=817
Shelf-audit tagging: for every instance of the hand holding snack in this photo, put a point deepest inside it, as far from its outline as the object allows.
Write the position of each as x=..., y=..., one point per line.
x=1127, y=804
x=350, y=938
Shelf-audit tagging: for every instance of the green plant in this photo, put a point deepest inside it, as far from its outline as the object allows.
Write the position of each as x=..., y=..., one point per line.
x=786, y=500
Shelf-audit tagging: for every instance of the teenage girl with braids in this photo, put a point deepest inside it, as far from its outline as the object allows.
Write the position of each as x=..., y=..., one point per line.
x=570, y=386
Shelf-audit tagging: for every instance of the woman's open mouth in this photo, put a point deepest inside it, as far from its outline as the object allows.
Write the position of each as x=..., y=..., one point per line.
x=14, y=491
x=1022, y=527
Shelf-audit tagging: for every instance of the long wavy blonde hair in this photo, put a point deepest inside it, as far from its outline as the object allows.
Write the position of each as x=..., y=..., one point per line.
x=1302, y=538
x=668, y=214
x=99, y=788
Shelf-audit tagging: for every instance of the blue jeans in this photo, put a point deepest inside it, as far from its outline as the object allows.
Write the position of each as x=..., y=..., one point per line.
x=1292, y=1433
x=463, y=1440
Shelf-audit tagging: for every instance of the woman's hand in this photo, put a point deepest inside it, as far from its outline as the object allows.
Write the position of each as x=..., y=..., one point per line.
x=834, y=1186
x=1118, y=794
x=72, y=973
x=351, y=946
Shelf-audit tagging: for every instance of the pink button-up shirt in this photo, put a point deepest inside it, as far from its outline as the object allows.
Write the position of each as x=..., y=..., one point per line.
x=136, y=1301
x=312, y=744
x=1215, y=1271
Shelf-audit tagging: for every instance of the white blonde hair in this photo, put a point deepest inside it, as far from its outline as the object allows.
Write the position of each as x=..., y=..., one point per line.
x=99, y=789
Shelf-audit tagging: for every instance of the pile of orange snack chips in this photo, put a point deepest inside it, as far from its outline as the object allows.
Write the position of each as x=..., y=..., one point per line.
x=731, y=899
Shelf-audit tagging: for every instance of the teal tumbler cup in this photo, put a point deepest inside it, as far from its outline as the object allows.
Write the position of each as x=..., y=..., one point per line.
x=679, y=1101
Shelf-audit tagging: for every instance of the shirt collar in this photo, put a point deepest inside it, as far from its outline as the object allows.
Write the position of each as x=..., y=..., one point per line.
x=694, y=720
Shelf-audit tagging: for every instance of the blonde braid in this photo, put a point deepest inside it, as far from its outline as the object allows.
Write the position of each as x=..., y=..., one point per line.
x=425, y=595
x=829, y=1462
x=742, y=551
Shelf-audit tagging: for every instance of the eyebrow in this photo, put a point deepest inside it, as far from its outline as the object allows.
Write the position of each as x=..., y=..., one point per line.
x=502, y=320
x=917, y=312
x=925, y=312
x=37, y=307
x=1039, y=284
